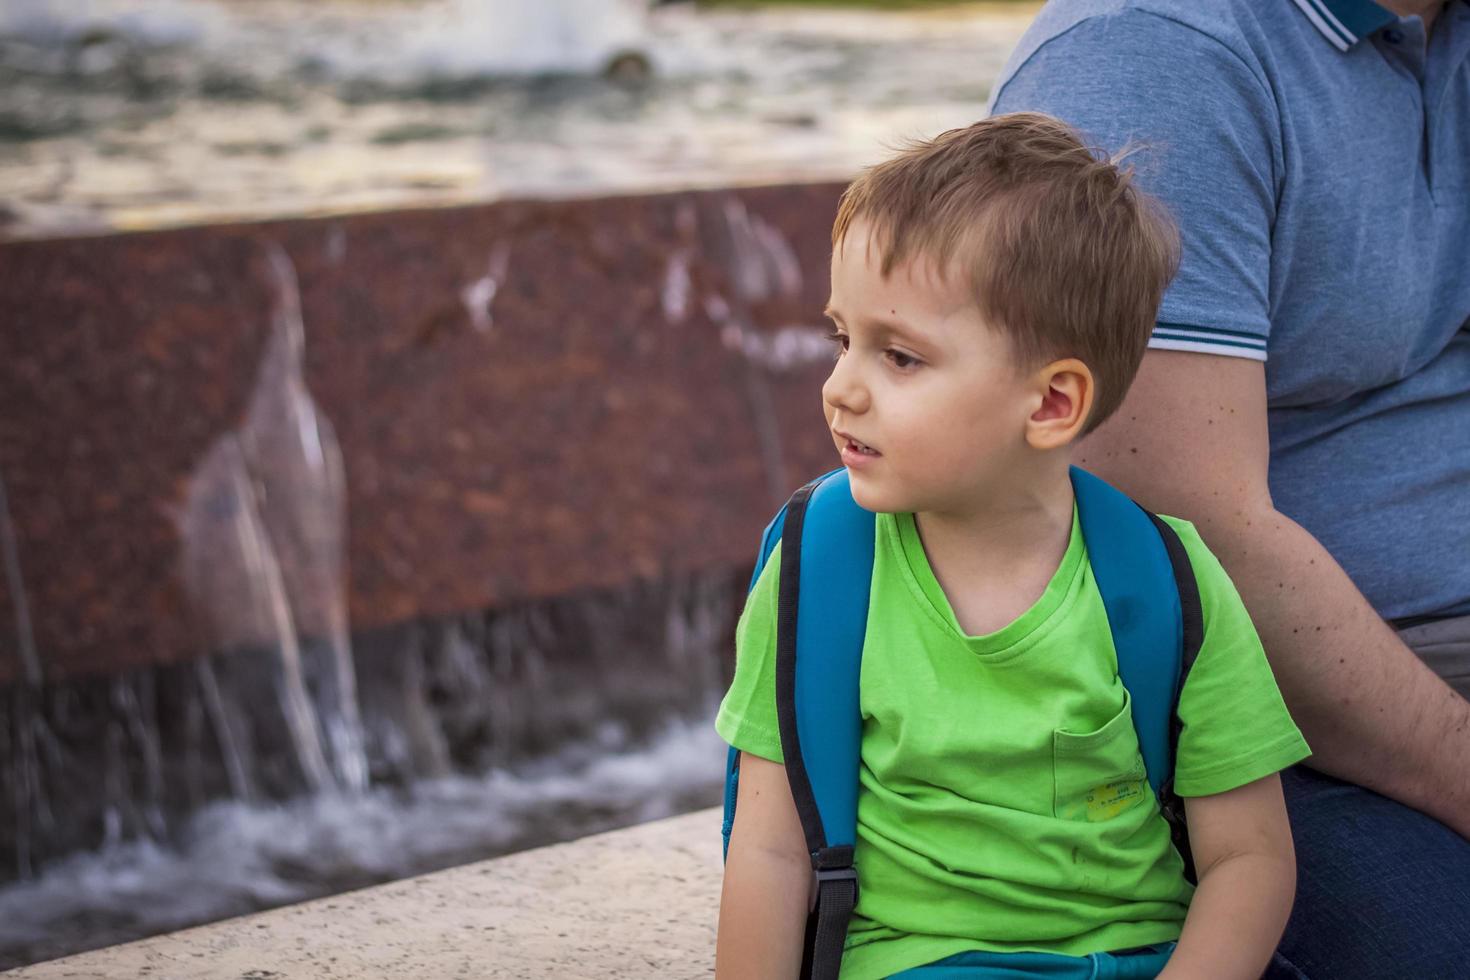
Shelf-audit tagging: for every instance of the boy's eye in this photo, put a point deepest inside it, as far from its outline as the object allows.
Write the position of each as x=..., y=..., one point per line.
x=901, y=360
x=840, y=339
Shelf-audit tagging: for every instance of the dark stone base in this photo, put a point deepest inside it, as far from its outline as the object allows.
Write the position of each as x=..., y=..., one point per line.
x=102, y=760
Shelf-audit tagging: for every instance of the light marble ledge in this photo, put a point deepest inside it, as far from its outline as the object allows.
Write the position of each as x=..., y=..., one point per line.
x=640, y=902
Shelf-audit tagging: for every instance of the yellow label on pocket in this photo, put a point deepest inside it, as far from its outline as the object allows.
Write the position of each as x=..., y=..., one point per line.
x=1110, y=799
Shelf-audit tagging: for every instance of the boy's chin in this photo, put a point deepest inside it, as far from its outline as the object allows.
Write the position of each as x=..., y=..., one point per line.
x=873, y=498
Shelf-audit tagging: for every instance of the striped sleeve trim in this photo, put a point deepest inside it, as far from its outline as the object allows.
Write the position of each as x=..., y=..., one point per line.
x=1208, y=340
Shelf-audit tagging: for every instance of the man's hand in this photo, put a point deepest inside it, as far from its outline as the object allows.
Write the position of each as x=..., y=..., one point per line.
x=1191, y=441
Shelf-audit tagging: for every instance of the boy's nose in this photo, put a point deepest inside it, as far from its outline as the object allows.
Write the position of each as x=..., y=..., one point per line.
x=844, y=390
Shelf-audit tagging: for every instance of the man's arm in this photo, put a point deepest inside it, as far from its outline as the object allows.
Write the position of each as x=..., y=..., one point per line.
x=768, y=879
x=1247, y=875
x=1191, y=440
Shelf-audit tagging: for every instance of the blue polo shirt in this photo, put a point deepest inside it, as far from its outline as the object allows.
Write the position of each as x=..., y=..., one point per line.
x=1316, y=154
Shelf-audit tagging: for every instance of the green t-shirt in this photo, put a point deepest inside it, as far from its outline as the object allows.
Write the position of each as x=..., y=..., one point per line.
x=1003, y=803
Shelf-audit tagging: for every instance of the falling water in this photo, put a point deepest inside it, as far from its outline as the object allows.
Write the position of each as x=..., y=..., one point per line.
x=291, y=450
x=239, y=595
x=25, y=640
x=485, y=733
x=263, y=531
x=471, y=37
x=759, y=266
x=28, y=801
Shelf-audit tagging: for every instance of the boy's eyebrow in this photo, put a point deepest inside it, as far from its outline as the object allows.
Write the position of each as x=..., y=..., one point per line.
x=884, y=327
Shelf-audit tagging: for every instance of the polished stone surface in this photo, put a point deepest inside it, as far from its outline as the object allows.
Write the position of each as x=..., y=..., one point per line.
x=641, y=902
x=532, y=399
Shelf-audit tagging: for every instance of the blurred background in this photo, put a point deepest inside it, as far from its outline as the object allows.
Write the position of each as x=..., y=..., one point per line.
x=392, y=393
x=121, y=114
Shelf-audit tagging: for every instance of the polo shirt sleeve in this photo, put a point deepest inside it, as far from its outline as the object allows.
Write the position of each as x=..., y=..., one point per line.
x=747, y=716
x=1236, y=728
x=1206, y=139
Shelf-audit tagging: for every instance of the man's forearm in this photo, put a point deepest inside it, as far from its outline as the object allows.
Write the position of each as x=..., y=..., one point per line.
x=1371, y=711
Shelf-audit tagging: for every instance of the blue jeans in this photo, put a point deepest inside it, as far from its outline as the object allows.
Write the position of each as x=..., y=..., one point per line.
x=1382, y=890
x=1141, y=964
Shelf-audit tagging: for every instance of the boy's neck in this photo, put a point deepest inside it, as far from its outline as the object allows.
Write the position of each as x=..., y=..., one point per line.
x=995, y=560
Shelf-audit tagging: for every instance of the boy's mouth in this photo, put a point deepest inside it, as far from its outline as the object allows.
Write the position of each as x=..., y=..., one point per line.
x=852, y=445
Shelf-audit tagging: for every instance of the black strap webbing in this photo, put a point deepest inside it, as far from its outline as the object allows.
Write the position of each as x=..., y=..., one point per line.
x=827, y=926
x=1194, y=637
x=788, y=602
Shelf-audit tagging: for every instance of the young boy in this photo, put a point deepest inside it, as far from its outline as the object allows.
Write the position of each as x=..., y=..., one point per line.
x=993, y=291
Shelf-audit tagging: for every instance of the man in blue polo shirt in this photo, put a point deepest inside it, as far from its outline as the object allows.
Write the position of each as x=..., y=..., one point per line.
x=1306, y=402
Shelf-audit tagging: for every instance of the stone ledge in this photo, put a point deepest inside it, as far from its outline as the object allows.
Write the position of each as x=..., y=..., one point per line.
x=637, y=902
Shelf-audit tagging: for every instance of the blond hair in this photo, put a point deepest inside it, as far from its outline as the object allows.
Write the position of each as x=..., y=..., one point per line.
x=1063, y=254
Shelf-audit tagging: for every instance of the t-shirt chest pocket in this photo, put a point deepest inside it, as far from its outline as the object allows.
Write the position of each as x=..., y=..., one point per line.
x=1098, y=775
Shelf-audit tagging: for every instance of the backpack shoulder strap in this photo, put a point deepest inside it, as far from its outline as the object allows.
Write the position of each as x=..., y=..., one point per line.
x=826, y=575
x=822, y=613
x=1193, y=629
x=1152, y=602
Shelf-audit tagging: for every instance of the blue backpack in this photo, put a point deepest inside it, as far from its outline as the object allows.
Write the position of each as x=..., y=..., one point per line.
x=1153, y=608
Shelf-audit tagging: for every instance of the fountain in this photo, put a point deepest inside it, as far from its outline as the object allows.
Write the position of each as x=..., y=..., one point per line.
x=347, y=547
x=517, y=613
x=449, y=38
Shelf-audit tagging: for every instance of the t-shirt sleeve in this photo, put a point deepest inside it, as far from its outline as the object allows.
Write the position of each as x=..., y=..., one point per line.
x=747, y=717
x=1206, y=140
x=1236, y=728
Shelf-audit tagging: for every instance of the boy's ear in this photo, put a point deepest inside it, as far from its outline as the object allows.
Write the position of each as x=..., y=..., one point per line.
x=1067, y=392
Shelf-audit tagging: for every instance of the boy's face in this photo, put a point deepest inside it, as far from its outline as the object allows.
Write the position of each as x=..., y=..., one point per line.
x=925, y=403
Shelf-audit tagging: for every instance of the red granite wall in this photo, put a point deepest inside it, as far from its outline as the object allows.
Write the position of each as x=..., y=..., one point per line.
x=531, y=398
